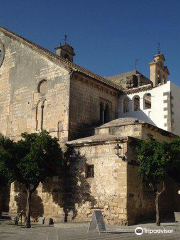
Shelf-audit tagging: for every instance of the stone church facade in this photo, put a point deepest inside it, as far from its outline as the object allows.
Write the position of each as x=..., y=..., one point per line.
x=44, y=90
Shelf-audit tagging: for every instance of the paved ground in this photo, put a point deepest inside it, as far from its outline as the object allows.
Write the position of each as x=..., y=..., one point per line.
x=75, y=231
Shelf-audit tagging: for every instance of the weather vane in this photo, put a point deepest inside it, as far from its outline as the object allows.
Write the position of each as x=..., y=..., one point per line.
x=135, y=63
x=65, y=39
x=158, y=48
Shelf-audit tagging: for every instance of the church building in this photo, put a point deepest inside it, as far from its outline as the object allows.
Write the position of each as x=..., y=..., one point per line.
x=96, y=119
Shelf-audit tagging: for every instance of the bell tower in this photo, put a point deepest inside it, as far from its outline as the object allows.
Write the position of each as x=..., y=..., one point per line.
x=158, y=72
x=65, y=51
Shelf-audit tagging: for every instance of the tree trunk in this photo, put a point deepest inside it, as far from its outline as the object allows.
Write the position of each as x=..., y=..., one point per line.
x=157, y=204
x=28, y=209
x=157, y=209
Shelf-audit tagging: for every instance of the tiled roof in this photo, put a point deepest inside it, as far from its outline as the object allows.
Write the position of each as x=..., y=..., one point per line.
x=139, y=89
x=117, y=79
x=67, y=64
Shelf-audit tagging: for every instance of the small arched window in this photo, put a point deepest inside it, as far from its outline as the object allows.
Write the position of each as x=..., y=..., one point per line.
x=147, y=101
x=126, y=105
x=66, y=56
x=101, y=113
x=107, y=113
x=43, y=86
x=136, y=103
x=1, y=53
x=159, y=77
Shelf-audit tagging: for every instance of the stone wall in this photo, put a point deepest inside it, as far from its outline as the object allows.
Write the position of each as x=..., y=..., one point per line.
x=85, y=97
x=141, y=198
x=139, y=130
x=22, y=103
x=107, y=190
x=46, y=201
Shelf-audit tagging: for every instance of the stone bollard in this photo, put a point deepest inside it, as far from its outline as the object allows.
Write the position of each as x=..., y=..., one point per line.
x=41, y=220
x=49, y=221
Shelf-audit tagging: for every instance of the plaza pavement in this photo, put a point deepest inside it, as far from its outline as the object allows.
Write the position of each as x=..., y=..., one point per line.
x=78, y=231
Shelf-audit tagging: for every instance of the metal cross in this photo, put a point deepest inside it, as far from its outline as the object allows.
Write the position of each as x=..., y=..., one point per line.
x=158, y=48
x=135, y=63
x=65, y=39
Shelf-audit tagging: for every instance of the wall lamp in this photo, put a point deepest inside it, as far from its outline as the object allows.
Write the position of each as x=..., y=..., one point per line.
x=118, y=149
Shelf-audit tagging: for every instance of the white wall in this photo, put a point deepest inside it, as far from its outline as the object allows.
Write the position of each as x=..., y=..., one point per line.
x=158, y=115
x=175, y=93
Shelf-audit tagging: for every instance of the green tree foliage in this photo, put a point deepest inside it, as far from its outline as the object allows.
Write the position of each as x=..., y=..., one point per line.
x=29, y=161
x=158, y=160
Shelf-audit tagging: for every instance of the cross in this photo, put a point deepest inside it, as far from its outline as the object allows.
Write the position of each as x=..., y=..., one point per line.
x=135, y=63
x=158, y=48
x=65, y=39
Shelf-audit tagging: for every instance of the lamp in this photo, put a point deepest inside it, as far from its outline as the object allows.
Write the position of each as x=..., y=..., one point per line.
x=118, y=148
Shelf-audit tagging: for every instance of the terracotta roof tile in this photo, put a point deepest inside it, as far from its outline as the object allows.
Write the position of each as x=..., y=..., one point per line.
x=139, y=89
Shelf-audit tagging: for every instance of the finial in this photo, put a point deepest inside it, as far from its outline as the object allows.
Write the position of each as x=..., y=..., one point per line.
x=158, y=48
x=65, y=39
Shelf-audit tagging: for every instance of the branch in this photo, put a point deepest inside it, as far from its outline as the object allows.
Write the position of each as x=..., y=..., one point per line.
x=163, y=189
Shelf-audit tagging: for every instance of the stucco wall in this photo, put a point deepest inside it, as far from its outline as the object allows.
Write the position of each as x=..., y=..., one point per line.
x=175, y=106
x=159, y=114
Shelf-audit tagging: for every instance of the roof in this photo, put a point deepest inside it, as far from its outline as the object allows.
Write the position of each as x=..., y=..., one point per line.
x=121, y=76
x=96, y=139
x=120, y=122
x=52, y=56
x=117, y=79
x=134, y=121
x=139, y=89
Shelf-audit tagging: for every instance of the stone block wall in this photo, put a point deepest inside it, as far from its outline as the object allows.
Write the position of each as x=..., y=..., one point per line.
x=46, y=201
x=107, y=190
x=85, y=98
x=21, y=102
x=141, y=198
x=140, y=131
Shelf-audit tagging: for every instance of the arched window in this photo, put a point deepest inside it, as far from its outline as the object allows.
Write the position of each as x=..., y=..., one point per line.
x=40, y=111
x=2, y=52
x=147, y=101
x=126, y=105
x=107, y=113
x=43, y=86
x=66, y=56
x=101, y=113
x=136, y=103
x=159, y=77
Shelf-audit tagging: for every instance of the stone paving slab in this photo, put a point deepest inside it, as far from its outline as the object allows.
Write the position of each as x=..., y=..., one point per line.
x=79, y=232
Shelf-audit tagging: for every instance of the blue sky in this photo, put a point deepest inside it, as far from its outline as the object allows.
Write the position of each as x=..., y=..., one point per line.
x=107, y=35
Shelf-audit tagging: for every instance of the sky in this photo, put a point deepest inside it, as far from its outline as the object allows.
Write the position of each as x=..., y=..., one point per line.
x=107, y=35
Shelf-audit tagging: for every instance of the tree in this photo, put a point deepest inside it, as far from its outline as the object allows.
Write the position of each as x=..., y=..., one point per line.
x=30, y=161
x=155, y=163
